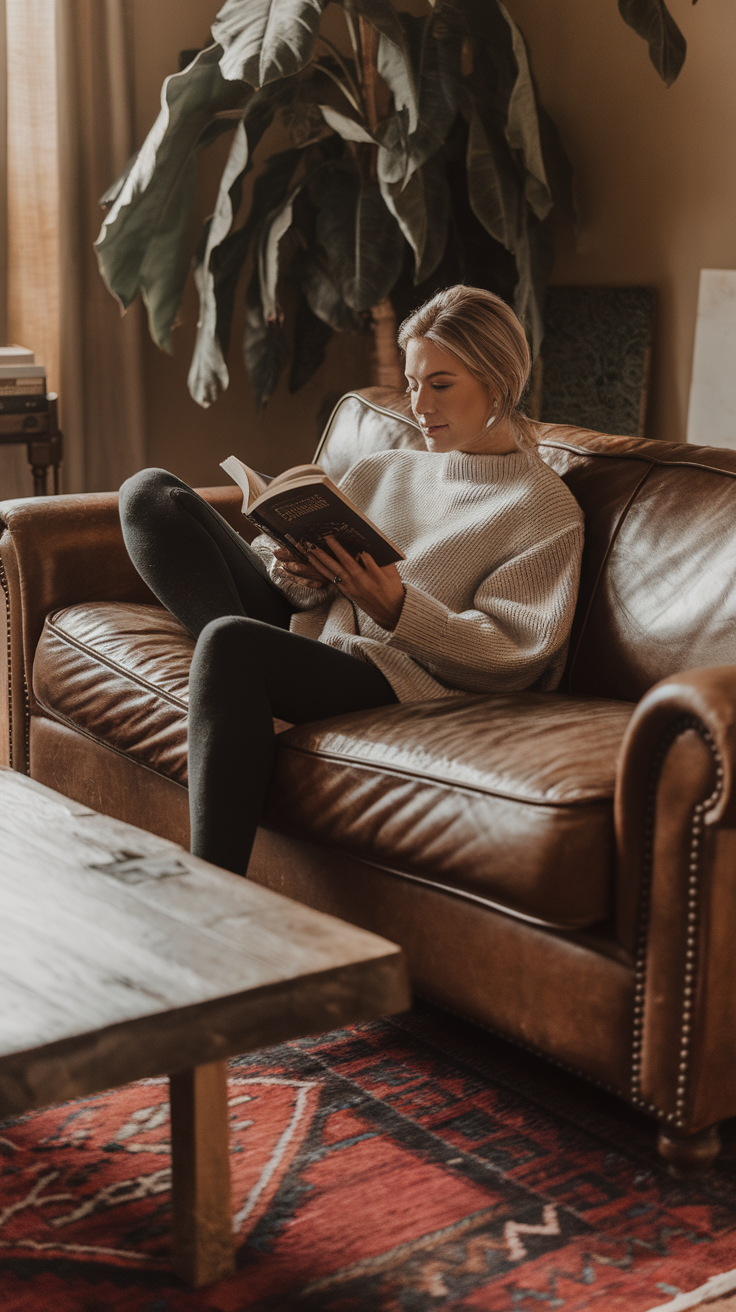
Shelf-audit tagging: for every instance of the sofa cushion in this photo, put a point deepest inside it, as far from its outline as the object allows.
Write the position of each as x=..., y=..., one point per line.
x=120, y=674
x=506, y=799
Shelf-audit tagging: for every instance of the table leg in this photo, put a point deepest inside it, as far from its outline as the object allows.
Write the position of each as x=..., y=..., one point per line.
x=200, y=1164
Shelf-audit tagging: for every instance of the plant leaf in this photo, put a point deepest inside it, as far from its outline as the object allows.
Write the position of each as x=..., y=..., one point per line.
x=493, y=185
x=275, y=227
x=264, y=348
x=436, y=52
x=218, y=264
x=264, y=40
x=394, y=66
x=522, y=126
x=652, y=20
x=208, y=374
x=348, y=128
x=422, y=211
x=361, y=239
x=141, y=243
x=394, y=57
x=309, y=344
x=324, y=296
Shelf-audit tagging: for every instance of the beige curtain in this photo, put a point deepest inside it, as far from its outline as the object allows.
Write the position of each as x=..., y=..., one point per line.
x=70, y=133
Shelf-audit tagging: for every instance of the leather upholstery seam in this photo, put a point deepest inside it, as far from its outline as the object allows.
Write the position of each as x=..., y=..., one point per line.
x=635, y=455
x=676, y=1118
x=567, y=931
x=58, y=717
x=371, y=405
x=457, y=786
x=109, y=664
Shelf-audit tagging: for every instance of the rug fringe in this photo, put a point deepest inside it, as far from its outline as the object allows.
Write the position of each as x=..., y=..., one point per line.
x=713, y=1288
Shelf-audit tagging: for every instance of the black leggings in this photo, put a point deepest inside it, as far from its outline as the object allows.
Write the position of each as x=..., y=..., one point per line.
x=247, y=666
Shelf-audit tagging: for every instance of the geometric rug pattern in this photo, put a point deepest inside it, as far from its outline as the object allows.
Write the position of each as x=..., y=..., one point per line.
x=407, y=1165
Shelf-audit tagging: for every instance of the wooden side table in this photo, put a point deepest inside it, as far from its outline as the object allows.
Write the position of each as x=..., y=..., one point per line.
x=40, y=432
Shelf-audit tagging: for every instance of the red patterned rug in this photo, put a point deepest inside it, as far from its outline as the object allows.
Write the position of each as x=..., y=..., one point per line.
x=406, y=1166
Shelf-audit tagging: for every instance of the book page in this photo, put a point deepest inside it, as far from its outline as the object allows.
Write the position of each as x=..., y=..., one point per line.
x=250, y=483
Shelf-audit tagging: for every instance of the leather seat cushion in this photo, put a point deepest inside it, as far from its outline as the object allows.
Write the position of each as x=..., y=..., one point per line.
x=507, y=799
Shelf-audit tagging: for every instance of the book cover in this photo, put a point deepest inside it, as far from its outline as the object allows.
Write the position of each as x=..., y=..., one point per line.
x=313, y=511
x=304, y=505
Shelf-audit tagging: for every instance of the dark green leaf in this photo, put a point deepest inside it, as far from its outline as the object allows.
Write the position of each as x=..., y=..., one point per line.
x=142, y=240
x=347, y=128
x=652, y=20
x=498, y=201
x=436, y=52
x=422, y=209
x=360, y=238
x=493, y=185
x=522, y=127
x=264, y=348
x=264, y=40
x=216, y=278
x=556, y=163
x=208, y=373
x=272, y=232
x=323, y=294
x=394, y=58
x=311, y=336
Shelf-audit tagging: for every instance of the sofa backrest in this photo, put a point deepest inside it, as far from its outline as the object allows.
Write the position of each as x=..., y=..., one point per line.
x=658, y=586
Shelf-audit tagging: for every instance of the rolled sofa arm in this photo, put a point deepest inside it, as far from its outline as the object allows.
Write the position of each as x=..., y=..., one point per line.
x=675, y=814
x=54, y=552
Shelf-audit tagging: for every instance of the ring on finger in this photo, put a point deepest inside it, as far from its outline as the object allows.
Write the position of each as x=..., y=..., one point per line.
x=337, y=579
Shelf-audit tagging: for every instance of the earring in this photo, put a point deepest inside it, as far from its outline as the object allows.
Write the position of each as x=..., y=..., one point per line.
x=493, y=417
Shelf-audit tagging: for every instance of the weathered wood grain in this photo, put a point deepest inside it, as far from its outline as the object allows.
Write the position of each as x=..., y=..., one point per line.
x=122, y=956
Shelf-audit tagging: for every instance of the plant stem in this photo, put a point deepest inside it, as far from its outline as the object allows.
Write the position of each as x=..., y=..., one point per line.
x=369, y=60
x=348, y=76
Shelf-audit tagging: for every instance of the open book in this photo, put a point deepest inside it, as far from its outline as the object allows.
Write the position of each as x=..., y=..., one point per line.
x=304, y=505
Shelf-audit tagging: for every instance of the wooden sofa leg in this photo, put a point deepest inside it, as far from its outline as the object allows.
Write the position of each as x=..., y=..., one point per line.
x=689, y=1155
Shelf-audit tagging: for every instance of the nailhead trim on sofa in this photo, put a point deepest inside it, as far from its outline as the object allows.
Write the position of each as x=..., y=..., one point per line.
x=691, y=949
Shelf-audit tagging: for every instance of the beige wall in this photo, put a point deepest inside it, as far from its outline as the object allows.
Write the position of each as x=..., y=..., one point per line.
x=655, y=168
x=656, y=184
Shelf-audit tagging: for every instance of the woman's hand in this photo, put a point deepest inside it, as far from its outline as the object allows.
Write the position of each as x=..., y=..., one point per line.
x=377, y=589
x=295, y=569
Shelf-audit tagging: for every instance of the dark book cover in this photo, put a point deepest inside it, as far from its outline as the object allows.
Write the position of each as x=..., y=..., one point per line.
x=314, y=512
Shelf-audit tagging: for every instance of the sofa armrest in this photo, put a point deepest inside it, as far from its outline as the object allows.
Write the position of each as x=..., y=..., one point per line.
x=675, y=816
x=54, y=552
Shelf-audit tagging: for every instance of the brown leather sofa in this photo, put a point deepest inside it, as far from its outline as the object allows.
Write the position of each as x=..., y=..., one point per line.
x=560, y=868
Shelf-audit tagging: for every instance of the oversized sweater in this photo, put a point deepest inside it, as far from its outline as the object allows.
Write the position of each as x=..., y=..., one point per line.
x=493, y=546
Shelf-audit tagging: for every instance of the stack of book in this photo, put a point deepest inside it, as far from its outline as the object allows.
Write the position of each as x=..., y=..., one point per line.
x=23, y=403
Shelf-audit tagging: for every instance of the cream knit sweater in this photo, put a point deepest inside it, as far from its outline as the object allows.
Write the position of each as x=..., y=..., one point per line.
x=493, y=546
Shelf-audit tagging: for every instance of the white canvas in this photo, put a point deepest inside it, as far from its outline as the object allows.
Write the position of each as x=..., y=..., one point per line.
x=711, y=417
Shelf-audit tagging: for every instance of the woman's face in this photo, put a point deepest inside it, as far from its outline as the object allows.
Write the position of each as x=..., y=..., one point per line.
x=451, y=405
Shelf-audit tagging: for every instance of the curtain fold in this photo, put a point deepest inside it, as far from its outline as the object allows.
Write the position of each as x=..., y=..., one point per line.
x=70, y=133
x=100, y=350
x=32, y=203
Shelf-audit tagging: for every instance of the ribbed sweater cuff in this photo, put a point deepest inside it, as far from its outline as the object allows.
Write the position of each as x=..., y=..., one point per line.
x=302, y=597
x=422, y=625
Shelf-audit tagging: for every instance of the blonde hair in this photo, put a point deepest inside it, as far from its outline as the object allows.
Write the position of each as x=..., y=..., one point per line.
x=482, y=331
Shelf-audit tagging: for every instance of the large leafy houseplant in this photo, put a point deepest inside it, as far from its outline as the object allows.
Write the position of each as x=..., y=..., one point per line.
x=416, y=155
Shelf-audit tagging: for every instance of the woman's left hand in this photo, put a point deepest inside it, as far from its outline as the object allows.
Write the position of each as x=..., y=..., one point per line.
x=377, y=589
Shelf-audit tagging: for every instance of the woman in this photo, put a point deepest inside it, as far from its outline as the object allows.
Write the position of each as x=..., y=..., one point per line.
x=483, y=602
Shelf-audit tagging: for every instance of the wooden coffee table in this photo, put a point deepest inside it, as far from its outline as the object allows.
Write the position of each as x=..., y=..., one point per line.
x=123, y=957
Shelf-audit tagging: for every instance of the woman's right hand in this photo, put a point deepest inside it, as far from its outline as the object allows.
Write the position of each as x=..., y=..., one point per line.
x=292, y=568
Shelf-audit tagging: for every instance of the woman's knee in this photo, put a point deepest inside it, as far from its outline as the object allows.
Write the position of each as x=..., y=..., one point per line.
x=232, y=644
x=142, y=493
